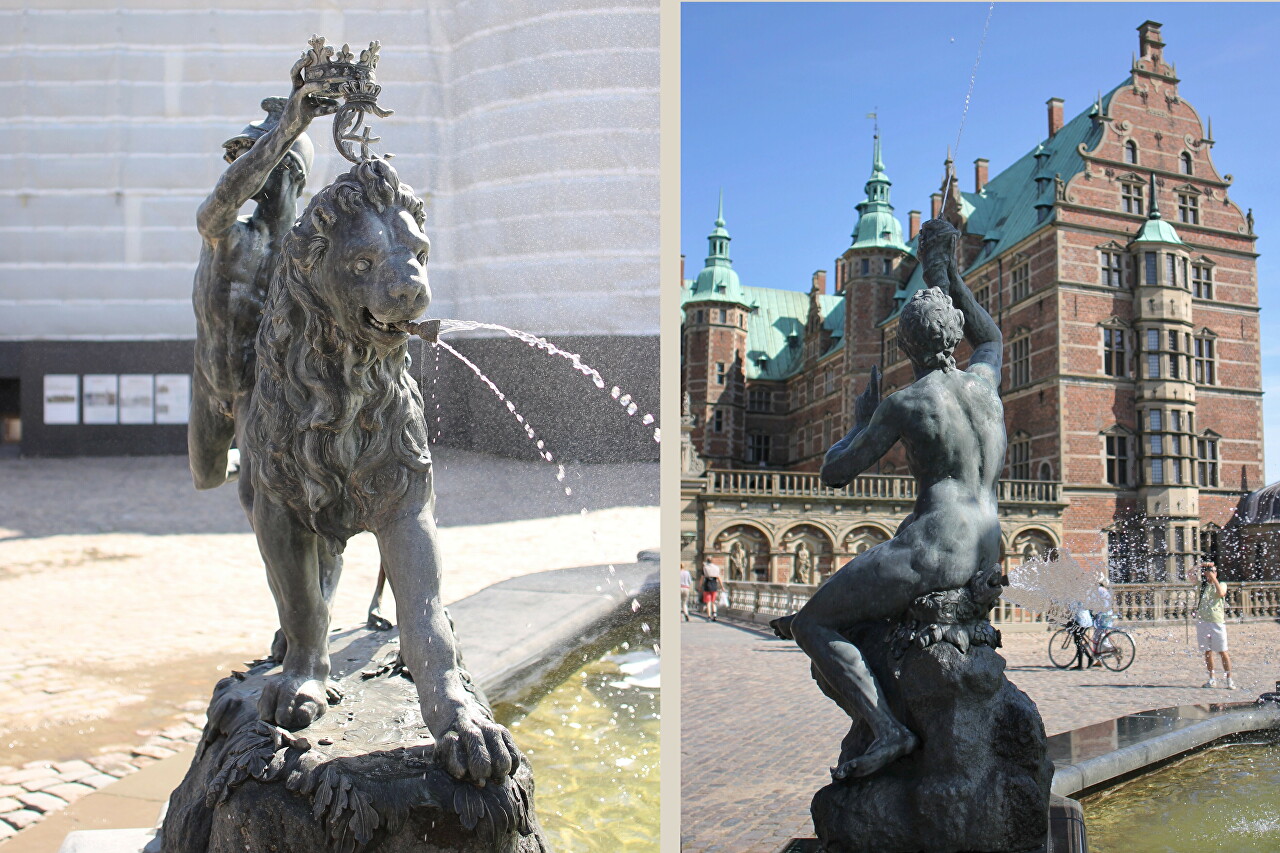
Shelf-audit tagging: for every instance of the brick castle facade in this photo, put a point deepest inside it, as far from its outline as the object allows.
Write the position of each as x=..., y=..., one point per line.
x=1123, y=275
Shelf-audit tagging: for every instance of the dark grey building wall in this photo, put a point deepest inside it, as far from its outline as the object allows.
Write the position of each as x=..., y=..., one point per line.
x=577, y=421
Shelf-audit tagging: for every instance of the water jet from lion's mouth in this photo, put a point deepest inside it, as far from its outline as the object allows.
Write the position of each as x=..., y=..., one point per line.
x=431, y=330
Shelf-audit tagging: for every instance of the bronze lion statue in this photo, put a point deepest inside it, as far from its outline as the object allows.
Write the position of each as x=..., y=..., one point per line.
x=334, y=442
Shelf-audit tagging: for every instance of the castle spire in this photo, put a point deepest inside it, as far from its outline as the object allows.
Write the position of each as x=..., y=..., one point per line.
x=877, y=227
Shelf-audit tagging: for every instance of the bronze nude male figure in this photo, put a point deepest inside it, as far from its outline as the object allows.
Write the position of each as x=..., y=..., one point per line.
x=270, y=160
x=951, y=423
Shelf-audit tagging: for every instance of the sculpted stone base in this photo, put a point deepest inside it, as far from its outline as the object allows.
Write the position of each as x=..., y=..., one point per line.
x=979, y=780
x=361, y=778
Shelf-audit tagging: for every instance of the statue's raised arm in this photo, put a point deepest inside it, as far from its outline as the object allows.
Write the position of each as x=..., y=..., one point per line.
x=937, y=250
x=254, y=154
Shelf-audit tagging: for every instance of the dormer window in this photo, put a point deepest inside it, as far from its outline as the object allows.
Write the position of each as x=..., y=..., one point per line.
x=1131, y=153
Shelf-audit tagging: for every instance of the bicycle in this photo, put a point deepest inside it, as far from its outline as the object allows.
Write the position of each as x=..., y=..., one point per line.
x=1112, y=647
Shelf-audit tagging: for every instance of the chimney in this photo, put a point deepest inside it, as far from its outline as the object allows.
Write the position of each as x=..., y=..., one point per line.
x=979, y=174
x=935, y=205
x=1149, y=43
x=1055, y=115
x=913, y=224
x=819, y=282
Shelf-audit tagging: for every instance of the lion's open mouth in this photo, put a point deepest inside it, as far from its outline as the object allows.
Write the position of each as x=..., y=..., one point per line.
x=384, y=328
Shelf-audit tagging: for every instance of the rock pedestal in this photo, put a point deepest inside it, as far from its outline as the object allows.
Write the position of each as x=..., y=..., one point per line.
x=979, y=780
x=361, y=779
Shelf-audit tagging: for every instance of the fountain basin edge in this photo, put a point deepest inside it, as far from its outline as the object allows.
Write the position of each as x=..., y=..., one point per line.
x=1072, y=779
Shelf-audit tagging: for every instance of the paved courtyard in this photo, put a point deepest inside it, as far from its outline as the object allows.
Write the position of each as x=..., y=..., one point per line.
x=757, y=737
x=125, y=594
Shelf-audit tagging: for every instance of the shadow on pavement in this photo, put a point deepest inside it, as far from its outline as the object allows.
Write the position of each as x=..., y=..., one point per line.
x=154, y=495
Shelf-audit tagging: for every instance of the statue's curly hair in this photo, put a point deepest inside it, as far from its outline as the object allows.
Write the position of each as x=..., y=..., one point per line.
x=930, y=327
x=336, y=429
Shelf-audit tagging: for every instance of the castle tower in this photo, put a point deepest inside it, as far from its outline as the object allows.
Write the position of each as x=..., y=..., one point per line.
x=1165, y=392
x=870, y=271
x=716, y=310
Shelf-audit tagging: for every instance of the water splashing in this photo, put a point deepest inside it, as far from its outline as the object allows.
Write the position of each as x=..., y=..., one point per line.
x=1055, y=584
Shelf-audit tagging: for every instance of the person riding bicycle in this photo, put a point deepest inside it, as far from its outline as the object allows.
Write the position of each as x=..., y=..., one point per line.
x=1081, y=622
x=1104, y=618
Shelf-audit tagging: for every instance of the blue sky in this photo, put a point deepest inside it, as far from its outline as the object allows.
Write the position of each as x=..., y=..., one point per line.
x=774, y=98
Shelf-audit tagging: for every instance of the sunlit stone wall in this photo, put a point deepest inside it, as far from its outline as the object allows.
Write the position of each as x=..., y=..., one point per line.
x=530, y=127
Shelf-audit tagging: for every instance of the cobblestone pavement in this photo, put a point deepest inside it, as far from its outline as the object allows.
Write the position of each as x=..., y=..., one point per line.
x=125, y=594
x=757, y=736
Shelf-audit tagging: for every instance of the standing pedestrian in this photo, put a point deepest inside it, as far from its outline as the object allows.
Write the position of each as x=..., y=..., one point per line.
x=711, y=583
x=1211, y=623
x=686, y=587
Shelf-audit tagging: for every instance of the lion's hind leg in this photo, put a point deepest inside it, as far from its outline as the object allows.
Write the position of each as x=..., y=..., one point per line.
x=298, y=695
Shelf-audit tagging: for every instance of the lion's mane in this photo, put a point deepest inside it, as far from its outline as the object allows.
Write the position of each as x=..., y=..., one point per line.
x=336, y=430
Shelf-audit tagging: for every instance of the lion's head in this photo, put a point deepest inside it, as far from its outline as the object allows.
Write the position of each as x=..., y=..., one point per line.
x=336, y=420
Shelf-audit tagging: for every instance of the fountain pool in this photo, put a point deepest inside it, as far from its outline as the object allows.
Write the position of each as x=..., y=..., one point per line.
x=1222, y=799
x=593, y=745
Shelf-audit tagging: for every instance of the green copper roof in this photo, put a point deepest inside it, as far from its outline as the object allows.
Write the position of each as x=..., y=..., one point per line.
x=877, y=227
x=1155, y=229
x=780, y=315
x=718, y=281
x=1008, y=209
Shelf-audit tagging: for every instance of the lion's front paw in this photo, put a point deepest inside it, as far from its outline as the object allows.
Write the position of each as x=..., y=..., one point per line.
x=476, y=749
x=293, y=702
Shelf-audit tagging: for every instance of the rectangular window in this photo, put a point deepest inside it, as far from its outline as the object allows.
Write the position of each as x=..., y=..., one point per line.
x=1114, y=354
x=698, y=316
x=1149, y=258
x=1175, y=421
x=1112, y=269
x=1153, y=417
x=1153, y=340
x=829, y=382
x=1170, y=266
x=1153, y=366
x=717, y=421
x=1118, y=460
x=1157, y=472
x=981, y=296
x=1020, y=363
x=758, y=400
x=1205, y=374
x=1202, y=281
x=1188, y=208
x=1157, y=444
x=1131, y=198
x=1020, y=460
x=723, y=316
x=866, y=266
x=1175, y=360
x=1021, y=279
x=1207, y=462
x=720, y=373
x=891, y=347
x=758, y=448
x=888, y=266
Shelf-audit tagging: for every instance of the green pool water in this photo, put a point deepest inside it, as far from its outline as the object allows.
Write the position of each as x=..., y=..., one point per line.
x=1221, y=800
x=593, y=746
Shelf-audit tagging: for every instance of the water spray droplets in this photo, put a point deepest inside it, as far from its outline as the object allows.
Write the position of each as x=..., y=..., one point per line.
x=624, y=400
x=511, y=407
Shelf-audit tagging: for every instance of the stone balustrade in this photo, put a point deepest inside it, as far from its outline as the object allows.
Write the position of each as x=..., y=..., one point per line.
x=1133, y=603
x=886, y=487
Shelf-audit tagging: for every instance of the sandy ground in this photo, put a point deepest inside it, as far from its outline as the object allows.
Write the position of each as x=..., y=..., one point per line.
x=124, y=593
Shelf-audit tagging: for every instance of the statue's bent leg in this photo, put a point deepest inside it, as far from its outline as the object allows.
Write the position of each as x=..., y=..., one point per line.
x=209, y=434
x=866, y=588
x=469, y=744
x=297, y=697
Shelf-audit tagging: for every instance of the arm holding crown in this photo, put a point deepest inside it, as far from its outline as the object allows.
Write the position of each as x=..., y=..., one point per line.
x=248, y=172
